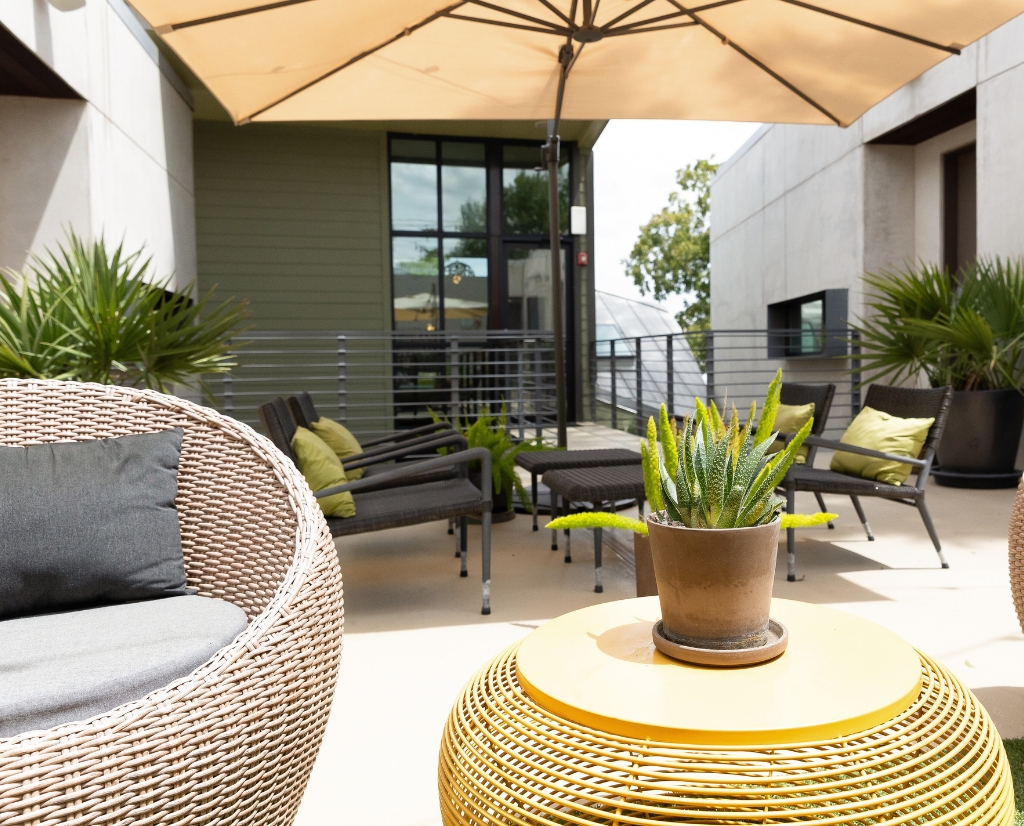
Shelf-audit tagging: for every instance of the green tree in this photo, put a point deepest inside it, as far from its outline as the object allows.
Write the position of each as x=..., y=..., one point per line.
x=673, y=252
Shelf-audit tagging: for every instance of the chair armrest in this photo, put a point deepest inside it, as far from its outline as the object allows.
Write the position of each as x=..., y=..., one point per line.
x=476, y=454
x=452, y=439
x=405, y=435
x=817, y=441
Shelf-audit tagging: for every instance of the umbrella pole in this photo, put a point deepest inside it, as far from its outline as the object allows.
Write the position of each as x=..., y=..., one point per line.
x=551, y=157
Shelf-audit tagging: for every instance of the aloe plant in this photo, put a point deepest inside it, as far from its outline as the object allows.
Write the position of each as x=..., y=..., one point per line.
x=723, y=477
x=735, y=486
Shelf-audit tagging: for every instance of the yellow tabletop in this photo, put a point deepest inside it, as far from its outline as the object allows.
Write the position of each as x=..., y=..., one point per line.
x=840, y=674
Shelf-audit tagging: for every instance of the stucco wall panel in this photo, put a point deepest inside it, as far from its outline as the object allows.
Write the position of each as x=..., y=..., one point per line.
x=1001, y=164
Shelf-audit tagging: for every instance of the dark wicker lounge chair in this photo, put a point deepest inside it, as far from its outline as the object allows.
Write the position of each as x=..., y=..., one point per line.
x=897, y=401
x=381, y=505
x=821, y=395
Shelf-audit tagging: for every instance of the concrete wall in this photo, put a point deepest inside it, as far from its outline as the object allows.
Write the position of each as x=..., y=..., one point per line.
x=804, y=208
x=118, y=163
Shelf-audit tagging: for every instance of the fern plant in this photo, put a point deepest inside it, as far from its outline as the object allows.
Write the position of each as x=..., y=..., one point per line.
x=723, y=477
x=491, y=432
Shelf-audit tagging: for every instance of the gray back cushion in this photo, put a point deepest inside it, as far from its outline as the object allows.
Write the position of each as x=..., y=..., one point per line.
x=55, y=668
x=85, y=523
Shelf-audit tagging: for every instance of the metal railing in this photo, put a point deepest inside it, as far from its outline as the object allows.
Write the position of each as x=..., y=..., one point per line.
x=634, y=376
x=375, y=382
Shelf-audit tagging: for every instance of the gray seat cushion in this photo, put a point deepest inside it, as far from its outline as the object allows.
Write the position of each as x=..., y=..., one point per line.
x=56, y=668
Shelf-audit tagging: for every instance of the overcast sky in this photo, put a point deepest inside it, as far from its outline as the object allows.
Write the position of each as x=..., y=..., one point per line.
x=635, y=163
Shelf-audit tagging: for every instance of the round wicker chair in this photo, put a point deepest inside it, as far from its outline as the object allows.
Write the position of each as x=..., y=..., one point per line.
x=1016, y=547
x=233, y=742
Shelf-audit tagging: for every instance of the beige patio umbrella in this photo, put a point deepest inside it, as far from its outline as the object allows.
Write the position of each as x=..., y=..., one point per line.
x=757, y=60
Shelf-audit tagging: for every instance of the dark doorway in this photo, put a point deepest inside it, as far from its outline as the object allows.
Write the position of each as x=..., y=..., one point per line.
x=959, y=209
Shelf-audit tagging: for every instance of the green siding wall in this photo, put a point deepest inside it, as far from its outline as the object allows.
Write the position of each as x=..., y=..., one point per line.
x=293, y=218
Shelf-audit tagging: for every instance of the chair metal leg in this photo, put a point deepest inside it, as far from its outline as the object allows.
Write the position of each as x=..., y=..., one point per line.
x=554, y=512
x=598, y=573
x=566, y=505
x=862, y=517
x=533, y=498
x=451, y=525
x=821, y=505
x=463, y=543
x=790, y=537
x=485, y=559
x=930, y=527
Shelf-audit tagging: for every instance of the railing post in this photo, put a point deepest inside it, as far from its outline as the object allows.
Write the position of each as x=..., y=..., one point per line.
x=593, y=381
x=639, y=385
x=615, y=395
x=454, y=384
x=342, y=406
x=229, y=394
x=709, y=361
x=670, y=368
x=521, y=389
x=855, y=377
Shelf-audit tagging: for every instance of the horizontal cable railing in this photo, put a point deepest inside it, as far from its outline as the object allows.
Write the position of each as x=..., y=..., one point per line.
x=634, y=376
x=376, y=382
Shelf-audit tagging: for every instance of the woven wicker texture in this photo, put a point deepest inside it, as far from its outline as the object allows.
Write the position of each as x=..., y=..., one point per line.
x=597, y=484
x=1016, y=548
x=505, y=760
x=411, y=505
x=541, y=461
x=234, y=742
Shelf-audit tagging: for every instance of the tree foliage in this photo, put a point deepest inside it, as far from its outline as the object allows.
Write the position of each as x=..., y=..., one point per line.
x=673, y=252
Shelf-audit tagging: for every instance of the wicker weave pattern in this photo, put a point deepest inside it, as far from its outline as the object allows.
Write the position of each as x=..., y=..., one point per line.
x=504, y=760
x=542, y=461
x=234, y=742
x=597, y=484
x=1016, y=548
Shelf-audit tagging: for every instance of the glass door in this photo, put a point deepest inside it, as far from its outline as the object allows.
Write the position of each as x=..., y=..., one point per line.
x=528, y=276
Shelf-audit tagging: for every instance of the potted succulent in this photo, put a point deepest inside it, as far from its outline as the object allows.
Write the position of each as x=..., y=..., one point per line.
x=711, y=541
x=491, y=432
x=967, y=332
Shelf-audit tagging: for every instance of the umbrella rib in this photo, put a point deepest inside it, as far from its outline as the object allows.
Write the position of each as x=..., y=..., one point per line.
x=646, y=22
x=561, y=32
x=356, y=58
x=689, y=24
x=554, y=10
x=626, y=14
x=535, y=20
x=884, y=29
x=760, y=64
x=226, y=16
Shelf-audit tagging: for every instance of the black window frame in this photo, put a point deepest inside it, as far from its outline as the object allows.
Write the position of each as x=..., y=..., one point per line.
x=494, y=235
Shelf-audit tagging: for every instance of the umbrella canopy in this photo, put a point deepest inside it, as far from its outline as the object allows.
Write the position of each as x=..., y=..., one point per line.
x=757, y=60
x=826, y=61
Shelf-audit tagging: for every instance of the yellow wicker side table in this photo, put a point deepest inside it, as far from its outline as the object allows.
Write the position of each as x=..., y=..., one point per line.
x=585, y=722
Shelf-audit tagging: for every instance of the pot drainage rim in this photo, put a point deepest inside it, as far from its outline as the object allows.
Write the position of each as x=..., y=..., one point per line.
x=778, y=639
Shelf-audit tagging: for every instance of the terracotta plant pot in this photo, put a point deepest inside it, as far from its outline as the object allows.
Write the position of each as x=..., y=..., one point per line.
x=646, y=584
x=715, y=586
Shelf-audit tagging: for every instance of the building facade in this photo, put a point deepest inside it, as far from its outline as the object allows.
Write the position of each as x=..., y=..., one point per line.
x=933, y=173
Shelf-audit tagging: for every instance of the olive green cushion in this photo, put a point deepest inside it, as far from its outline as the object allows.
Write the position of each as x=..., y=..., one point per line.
x=789, y=419
x=340, y=439
x=880, y=431
x=322, y=469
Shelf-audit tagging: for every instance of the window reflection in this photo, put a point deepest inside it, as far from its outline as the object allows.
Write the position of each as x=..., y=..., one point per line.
x=414, y=262
x=465, y=284
x=525, y=192
x=529, y=288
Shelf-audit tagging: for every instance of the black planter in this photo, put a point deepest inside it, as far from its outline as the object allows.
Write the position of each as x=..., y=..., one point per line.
x=979, y=445
x=501, y=510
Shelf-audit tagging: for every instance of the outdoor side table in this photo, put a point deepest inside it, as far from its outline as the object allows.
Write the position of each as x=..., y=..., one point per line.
x=596, y=485
x=585, y=722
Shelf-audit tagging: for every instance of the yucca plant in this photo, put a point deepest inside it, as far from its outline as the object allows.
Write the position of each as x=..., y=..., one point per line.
x=84, y=313
x=721, y=477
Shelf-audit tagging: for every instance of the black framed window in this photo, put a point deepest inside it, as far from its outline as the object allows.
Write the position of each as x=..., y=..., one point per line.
x=469, y=233
x=810, y=326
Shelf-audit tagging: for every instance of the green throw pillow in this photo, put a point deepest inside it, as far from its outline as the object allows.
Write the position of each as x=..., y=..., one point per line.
x=322, y=469
x=340, y=439
x=789, y=419
x=879, y=431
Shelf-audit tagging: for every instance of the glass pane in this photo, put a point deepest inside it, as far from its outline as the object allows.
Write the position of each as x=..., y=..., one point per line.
x=810, y=326
x=464, y=198
x=413, y=196
x=403, y=149
x=465, y=284
x=417, y=303
x=525, y=191
x=463, y=153
x=529, y=288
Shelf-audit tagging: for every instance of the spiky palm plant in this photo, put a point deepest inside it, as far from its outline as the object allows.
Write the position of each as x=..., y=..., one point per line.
x=88, y=314
x=722, y=477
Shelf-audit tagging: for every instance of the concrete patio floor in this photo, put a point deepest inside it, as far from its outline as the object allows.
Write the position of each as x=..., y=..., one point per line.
x=414, y=634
